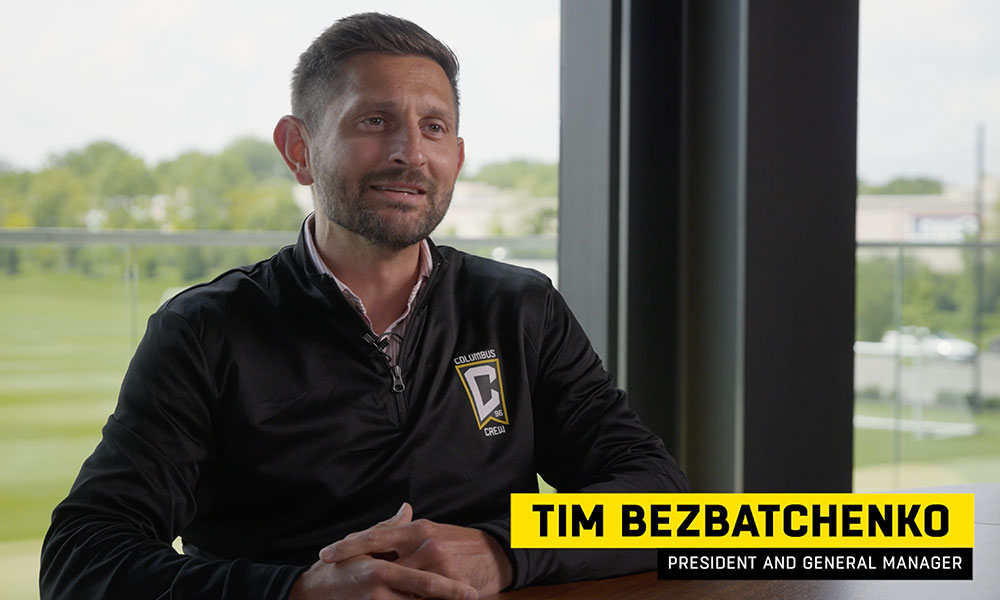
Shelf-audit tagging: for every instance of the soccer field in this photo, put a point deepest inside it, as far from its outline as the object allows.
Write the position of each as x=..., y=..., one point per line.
x=65, y=341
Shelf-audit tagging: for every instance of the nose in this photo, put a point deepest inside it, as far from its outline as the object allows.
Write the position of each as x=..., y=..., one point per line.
x=407, y=147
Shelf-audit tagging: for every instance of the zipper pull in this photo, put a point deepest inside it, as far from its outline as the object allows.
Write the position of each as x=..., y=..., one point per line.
x=397, y=379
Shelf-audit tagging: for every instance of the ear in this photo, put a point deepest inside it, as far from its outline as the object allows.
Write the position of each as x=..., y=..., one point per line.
x=292, y=140
x=461, y=156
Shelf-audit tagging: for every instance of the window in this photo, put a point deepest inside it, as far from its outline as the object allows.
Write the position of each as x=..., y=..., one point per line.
x=927, y=408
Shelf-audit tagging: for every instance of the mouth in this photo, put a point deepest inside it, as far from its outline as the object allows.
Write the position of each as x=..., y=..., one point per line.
x=399, y=188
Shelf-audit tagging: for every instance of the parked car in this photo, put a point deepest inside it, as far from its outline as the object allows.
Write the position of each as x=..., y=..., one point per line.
x=921, y=341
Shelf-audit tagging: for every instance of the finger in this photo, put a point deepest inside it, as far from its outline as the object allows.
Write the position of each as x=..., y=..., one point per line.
x=403, y=515
x=425, y=557
x=424, y=583
x=400, y=538
x=444, y=557
x=375, y=540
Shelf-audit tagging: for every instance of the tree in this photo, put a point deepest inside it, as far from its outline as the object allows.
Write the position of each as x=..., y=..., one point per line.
x=246, y=186
x=57, y=197
x=903, y=185
x=534, y=178
x=260, y=157
x=268, y=202
x=109, y=170
x=267, y=205
x=874, y=298
x=197, y=184
x=937, y=300
x=119, y=185
x=239, y=188
x=13, y=212
x=537, y=184
x=14, y=202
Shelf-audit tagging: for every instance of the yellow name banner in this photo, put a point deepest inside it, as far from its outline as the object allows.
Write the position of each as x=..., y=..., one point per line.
x=742, y=520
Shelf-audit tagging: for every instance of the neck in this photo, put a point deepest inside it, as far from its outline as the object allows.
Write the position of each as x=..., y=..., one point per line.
x=382, y=277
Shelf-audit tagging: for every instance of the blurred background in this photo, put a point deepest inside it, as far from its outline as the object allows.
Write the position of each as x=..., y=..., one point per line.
x=927, y=359
x=135, y=160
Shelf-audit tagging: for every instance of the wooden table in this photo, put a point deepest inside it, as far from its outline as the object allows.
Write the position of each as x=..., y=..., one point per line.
x=645, y=586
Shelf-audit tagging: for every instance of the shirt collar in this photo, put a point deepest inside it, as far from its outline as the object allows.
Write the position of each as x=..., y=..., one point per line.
x=424, y=263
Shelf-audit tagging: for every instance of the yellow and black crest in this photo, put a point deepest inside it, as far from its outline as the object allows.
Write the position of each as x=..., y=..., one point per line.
x=484, y=385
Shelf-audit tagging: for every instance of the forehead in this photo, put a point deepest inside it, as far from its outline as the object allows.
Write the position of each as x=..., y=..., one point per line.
x=389, y=79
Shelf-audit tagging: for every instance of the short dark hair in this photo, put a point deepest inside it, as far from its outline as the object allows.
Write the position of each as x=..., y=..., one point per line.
x=315, y=78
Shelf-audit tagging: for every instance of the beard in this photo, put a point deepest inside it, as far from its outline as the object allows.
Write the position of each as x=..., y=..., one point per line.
x=402, y=226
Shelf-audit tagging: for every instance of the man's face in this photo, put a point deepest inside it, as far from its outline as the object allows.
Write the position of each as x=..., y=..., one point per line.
x=385, y=158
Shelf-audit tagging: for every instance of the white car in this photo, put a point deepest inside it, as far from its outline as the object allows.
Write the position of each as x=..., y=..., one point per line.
x=920, y=341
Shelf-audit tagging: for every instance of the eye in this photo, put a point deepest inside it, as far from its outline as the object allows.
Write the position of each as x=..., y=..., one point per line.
x=435, y=128
x=374, y=121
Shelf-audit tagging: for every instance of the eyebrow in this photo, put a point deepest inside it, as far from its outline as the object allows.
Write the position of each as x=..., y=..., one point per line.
x=432, y=111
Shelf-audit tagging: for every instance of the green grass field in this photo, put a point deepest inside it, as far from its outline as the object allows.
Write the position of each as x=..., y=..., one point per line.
x=65, y=342
x=65, y=346
x=925, y=459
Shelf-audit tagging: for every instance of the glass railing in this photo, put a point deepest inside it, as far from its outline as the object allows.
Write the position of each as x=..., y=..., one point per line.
x=927, y=365
x=73, y=305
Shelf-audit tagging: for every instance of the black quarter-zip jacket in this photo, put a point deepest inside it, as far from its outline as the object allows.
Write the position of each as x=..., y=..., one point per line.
x=258, y=423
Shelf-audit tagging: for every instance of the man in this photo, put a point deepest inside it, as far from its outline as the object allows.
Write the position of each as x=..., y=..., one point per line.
x=287, y=408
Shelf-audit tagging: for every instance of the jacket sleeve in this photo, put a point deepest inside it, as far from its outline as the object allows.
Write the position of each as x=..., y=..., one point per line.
x=111, y=537
x=587, y=439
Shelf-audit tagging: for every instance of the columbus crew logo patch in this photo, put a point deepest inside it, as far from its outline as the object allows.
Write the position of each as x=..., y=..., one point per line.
x=484, y=386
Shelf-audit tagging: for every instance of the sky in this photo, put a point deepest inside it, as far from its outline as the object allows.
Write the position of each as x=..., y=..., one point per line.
x=928, y=72
x=164, y=76
x=161, y=77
